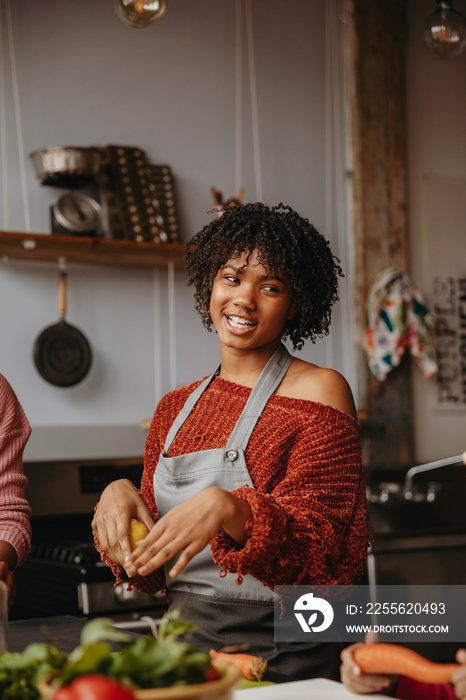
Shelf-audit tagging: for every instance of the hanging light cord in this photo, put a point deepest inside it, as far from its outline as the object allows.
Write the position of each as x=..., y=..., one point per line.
x=254, y=106
x=238, y=97
x=17, y=110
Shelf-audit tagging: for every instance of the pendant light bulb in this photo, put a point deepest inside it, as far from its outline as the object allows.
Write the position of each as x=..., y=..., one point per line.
x=140, y=13
x=445, y=31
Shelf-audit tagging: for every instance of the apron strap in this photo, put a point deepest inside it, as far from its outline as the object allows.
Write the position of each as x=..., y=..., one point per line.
x=186, y=410
x=268, y=382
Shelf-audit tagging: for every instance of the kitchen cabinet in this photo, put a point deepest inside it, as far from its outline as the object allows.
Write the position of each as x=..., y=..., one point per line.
x=89, y=250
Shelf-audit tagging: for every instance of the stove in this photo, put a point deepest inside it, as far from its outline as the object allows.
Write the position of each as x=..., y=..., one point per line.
x=64, y=574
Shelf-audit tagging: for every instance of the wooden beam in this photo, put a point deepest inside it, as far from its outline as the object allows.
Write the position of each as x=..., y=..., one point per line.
x=377, y=96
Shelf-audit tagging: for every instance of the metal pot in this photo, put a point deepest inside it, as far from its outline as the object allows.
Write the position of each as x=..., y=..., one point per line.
x=62, y=354
x=67, y=166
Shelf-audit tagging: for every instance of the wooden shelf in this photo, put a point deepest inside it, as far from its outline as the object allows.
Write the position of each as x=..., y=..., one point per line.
x=87, y=250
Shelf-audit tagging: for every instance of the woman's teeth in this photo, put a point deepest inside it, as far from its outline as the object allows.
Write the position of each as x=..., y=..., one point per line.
x=239, y=322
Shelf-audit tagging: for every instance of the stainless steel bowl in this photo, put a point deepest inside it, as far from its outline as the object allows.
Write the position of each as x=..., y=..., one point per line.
x=67, y=166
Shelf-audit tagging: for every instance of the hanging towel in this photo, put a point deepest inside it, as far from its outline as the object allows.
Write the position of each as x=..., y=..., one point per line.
x=397, y=319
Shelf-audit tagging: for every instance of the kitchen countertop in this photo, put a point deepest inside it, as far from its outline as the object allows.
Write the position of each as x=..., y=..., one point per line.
x=314, y=689
x=419, y=541
x=66, y=630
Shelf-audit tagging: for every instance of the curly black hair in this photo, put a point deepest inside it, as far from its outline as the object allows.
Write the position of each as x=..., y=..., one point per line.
x=288, y=244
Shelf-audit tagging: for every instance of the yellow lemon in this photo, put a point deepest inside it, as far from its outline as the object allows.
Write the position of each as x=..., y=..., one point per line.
x=138, y=532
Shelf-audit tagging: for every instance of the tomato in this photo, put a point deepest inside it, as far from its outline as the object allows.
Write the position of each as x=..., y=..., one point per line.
x=94, y=687
x=213, y=675
x=63, y=693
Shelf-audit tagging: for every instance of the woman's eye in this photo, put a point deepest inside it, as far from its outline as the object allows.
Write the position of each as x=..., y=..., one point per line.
x=270, y=288
x=231, y=278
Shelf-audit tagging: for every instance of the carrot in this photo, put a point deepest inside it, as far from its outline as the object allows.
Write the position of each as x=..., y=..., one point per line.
x=391, y=658
x=250, y=667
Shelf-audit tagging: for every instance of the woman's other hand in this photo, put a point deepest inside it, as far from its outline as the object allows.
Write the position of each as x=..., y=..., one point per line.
x=459, y=677
x=119, y=502
x=6, y=575
x=8, y=561
x=187, y=529
x=356, y=681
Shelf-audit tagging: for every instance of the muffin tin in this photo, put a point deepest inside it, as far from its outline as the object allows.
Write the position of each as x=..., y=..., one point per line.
x=139, y=198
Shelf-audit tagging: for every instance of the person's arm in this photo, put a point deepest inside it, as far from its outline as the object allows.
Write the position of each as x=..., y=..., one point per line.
x=15, y=512
x=189, y=527
x=312, y=527
x=121, y=501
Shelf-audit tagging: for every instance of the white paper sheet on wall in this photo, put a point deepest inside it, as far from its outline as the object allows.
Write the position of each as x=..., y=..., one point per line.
x=445, y=258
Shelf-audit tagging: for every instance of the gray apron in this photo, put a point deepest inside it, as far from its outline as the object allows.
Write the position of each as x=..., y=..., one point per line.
x=225, y=612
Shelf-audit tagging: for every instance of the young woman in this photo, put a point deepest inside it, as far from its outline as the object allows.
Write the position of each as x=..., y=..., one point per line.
x=252, y=477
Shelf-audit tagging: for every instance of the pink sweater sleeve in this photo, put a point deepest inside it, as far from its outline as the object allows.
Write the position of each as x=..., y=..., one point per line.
x=15, y=527
x=414, y=690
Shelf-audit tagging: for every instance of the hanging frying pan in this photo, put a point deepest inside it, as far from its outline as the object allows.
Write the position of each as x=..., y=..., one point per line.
x=62, y=354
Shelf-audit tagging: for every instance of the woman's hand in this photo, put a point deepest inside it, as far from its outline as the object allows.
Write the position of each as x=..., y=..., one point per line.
x=459, y=676
x=6, y=575
x=188, y=528
x=356, y=681
x=111, y=524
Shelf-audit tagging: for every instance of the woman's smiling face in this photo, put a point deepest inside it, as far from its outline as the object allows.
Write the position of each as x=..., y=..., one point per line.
x=249, y=307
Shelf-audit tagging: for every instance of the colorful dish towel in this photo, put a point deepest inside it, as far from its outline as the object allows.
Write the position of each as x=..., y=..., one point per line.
x=397, y=320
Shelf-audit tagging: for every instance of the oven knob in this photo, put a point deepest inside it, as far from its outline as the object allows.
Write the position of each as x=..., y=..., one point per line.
x=122, y=595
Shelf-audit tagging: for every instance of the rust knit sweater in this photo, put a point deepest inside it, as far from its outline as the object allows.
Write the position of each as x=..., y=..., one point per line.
x=309, y=511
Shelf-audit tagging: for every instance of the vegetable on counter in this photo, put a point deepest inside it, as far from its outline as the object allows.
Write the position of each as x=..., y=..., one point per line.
x=94, y=687
x=138, y=662
x=141, y=662
x=391, y=658
x=251, y=667
x=20, y=672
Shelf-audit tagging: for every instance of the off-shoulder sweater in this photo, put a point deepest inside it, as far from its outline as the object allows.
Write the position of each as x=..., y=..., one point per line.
x=309, y=510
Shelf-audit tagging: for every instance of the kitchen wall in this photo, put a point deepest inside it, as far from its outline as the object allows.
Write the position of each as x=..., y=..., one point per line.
x=436, y=130
x=85, y=78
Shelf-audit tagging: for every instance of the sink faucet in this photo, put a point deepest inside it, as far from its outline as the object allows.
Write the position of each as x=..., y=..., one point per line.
x=447, y=462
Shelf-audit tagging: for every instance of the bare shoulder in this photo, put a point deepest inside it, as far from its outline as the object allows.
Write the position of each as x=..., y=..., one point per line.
x=312, y=383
